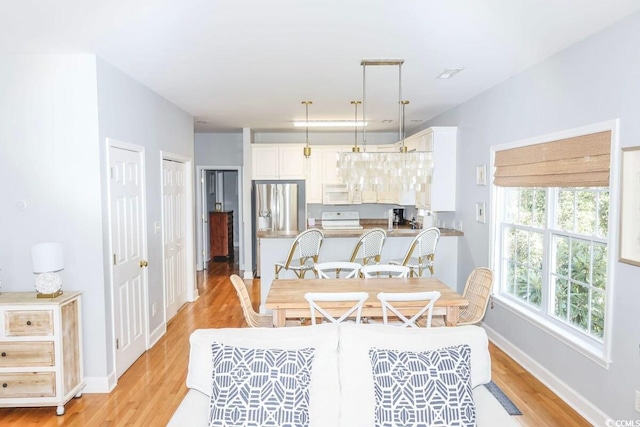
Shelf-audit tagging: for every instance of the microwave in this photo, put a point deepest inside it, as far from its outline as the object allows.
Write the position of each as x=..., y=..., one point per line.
x=335, y=194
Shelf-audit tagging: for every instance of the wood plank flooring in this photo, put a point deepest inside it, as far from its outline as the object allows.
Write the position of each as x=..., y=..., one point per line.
x=150, y=391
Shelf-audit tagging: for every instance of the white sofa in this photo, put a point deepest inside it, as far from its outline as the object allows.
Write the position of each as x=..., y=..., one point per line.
x=341, y=387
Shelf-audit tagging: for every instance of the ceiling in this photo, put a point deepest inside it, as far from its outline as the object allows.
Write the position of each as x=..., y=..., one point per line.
x=250, y=63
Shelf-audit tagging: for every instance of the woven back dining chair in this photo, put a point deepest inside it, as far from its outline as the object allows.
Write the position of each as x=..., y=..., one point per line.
x=303, y=253
x=421, y=252
x=369, y=247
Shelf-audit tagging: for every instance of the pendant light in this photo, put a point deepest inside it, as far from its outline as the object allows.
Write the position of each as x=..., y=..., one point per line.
x=385, y=172
x=307, y=148
x=403, y=148
x=355, y=147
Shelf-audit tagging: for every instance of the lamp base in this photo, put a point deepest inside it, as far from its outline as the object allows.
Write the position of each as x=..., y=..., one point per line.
x=53, y=295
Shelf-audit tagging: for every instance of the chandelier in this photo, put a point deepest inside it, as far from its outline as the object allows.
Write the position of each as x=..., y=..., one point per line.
x=385, y=172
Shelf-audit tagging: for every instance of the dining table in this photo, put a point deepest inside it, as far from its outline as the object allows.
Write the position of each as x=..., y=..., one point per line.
x=286, y=297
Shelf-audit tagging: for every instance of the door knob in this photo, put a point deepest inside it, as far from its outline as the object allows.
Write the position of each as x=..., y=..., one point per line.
x=143, y=263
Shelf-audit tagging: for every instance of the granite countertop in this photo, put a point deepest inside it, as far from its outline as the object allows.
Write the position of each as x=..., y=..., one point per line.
x=400, y=231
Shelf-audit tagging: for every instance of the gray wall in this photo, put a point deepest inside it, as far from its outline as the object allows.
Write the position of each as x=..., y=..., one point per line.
x=49, y=162
x=56, y=111
x=593, y=81
x=130, y=112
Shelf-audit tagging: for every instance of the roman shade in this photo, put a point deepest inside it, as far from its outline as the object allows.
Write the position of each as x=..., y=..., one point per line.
x=580, y=161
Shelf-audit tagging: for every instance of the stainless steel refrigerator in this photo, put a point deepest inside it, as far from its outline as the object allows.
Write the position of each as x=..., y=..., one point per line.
x=276, y=207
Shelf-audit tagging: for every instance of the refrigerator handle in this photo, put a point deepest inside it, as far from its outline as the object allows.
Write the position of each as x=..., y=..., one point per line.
x=279, y=201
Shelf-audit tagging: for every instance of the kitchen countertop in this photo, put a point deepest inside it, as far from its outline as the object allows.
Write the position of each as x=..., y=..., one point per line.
x=400, y=231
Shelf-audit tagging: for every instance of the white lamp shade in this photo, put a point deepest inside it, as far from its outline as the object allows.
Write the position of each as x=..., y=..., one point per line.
x=47, y=257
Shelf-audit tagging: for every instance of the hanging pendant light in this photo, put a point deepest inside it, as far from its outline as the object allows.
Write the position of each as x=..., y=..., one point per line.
x=307, y=148
x=384, y=172
x=355, y=147
x=403, y=148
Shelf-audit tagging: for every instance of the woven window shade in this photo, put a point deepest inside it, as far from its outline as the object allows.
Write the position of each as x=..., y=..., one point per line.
x=581, y=161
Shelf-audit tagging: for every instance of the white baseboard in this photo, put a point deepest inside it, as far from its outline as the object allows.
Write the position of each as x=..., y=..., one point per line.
x=574, y=399
x=100, y=384
x=158, y=333
x=248, y=275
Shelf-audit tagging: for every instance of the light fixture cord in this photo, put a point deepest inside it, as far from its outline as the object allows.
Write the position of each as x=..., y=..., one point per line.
x=400, y=107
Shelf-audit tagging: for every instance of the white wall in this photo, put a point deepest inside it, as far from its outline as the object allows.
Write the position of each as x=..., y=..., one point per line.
x=49, y=159
x=131, y=112
x=593, y=81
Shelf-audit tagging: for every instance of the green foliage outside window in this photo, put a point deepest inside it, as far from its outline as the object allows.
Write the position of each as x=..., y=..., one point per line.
x=577, y=252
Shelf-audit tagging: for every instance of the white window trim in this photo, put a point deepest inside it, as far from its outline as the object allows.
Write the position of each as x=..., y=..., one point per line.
x=601, y=356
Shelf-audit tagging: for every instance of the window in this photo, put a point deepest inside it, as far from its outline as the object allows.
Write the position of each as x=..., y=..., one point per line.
x=551, y=225
x=564, y=279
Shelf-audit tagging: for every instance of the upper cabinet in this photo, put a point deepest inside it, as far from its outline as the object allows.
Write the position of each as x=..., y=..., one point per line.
x=322, y=169
x=440, y=194
x=278, y=161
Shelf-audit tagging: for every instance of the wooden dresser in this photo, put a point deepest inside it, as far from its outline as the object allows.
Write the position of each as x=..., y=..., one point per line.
x=221, y=235
x=40, y=350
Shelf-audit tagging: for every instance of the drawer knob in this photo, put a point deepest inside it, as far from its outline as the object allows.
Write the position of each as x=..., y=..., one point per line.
x=28, y=322
x=4, y=354
x=4, y=385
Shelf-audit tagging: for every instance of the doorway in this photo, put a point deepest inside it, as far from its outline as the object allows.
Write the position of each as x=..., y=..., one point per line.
x=221, y=190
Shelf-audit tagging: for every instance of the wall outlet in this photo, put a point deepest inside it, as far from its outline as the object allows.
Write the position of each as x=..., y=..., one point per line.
x=153, y=312
x=637, y=401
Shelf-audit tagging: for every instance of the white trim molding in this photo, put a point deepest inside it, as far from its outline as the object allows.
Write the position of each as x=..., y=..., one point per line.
x=100, y=384
x=570, y=396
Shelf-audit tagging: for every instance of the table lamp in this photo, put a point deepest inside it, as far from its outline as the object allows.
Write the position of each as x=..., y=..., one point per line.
x=47, y=261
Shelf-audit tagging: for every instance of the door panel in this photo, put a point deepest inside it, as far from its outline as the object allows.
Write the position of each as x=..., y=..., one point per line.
x=126, y=192
x=174, y=227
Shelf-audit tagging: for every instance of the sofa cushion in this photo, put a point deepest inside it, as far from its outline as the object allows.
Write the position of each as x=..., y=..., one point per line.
x=357, y=403
x=324, y=389
x=431, y=388
x=262, y=387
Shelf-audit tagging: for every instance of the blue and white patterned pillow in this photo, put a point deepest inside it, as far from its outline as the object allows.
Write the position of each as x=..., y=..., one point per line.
x=426, y=389
x=260, y=387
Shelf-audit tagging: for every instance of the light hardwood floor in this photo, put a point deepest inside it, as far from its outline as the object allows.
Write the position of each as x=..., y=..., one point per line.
x=150, y=391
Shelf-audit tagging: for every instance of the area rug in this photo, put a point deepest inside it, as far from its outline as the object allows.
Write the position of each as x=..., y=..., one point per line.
x=506, y=403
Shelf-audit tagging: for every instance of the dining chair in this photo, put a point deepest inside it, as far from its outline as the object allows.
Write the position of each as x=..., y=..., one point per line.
x=477, y=291
x=421, y=252
x=369, y=246
x=358, y=298
x=387, y=298
x=303, y=253
x=348, y=270
x=384, y=270
x=253, y=319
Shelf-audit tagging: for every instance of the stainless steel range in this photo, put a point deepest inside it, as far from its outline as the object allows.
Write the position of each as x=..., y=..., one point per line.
x=341, y=221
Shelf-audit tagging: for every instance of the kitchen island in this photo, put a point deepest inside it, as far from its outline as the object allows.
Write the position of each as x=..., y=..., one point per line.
x=338, y=245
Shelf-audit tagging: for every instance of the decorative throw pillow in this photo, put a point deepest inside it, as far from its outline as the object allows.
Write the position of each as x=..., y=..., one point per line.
x=431, y=388
x=260, y=387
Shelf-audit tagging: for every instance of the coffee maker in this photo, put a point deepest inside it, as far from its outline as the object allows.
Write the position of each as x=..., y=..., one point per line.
x=398, y=216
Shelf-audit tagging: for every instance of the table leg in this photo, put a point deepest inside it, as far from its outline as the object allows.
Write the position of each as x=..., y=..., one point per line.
x=451, y=317
x=279, y=318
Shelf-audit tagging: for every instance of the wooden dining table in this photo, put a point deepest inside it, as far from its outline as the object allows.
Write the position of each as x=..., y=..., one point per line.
x=286, y=297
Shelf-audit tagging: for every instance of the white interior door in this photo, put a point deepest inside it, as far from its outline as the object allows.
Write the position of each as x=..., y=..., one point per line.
x=174, y=226
x=128, y=237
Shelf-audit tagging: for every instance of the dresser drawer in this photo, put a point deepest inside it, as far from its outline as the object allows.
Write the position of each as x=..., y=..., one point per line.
x=24, y=354
x=28, y=323
x=28, y=384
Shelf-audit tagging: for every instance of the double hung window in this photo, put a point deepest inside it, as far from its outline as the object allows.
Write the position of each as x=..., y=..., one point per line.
x=552, y=234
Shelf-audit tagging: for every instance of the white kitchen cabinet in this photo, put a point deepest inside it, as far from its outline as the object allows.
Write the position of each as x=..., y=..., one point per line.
x=40, y=350
x=440, y=194
x=321, y=169
x=278, y=161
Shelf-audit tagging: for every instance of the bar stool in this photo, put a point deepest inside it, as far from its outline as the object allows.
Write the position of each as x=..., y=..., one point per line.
x=305, y=248
x=425, y=243
x=370, y=245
